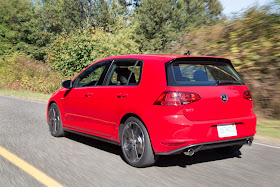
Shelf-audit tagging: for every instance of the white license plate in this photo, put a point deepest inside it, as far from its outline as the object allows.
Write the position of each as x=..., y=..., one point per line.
x=226, y=130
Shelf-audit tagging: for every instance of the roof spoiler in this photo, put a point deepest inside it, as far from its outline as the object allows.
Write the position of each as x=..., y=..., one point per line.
x=194, y=59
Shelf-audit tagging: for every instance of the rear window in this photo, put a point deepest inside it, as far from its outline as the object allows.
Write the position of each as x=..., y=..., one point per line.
x=202, y=73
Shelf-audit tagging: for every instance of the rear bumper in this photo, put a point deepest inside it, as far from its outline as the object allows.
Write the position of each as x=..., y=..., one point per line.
x=210, y=145
x=171, y=132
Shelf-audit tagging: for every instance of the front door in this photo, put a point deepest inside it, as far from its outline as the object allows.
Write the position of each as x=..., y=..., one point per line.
x=111, y=100
x=78, y=103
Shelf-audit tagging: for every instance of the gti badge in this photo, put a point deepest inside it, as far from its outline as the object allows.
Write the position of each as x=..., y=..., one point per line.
x=224, y=98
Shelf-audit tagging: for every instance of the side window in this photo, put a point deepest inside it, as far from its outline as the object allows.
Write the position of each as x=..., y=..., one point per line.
x=124, y=72
x=91, y=76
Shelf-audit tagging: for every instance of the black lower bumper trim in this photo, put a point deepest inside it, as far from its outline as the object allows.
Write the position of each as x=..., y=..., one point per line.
x=210, y=145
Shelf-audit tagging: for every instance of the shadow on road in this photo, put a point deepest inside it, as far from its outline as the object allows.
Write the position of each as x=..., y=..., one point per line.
x=180, y=160
x=111, y=148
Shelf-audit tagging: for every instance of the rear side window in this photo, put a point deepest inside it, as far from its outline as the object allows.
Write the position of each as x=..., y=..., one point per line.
x=124, y=72
x=202, y=73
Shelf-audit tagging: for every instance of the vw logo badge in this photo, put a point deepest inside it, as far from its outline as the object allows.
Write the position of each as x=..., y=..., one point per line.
x=224, y=98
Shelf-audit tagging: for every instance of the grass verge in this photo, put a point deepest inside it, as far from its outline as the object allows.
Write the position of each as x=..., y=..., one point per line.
x=26, y=95
x=268, y=130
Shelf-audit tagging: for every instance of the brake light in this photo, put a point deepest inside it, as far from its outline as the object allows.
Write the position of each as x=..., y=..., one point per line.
x=177, y=98
x=247, y=95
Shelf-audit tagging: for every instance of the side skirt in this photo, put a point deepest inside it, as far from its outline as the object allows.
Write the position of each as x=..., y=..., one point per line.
x=91, y=136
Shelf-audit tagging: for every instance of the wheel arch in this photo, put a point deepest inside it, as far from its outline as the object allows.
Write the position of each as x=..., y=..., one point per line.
x=50, y=103
x=124, y=118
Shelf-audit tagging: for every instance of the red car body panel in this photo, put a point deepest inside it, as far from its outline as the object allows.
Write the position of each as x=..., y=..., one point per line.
x=98, y=110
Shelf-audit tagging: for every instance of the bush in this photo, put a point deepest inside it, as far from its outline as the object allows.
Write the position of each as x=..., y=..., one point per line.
x=18, y=72
x=69, y=54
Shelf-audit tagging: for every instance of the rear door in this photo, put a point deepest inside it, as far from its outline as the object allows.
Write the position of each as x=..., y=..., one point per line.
x=113, y=97
x=217, y=83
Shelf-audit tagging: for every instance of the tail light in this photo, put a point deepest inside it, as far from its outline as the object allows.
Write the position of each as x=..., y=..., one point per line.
x=177, y=98
x=247, y=95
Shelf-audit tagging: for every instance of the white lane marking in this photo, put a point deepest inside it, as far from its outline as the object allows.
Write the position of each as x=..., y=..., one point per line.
x=266, y=145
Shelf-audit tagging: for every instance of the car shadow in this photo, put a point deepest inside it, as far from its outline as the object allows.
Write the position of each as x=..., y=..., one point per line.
x=183, y=161
x=104, y=146
x=179, y=160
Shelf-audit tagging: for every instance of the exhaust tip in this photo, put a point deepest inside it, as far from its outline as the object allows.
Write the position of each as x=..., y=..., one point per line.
x=249, y=142
x=189, y=152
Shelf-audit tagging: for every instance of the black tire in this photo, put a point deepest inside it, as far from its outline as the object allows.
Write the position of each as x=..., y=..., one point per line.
x=135, y=143
x=229, y=150
x=55, y=124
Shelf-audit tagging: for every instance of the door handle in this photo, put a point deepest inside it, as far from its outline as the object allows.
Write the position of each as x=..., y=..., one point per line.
x=88, y=94
x=122, y=95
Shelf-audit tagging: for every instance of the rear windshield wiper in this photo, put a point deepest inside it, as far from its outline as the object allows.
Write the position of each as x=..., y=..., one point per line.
x=219, y=82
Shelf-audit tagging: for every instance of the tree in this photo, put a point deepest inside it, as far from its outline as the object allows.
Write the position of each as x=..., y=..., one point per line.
x=17, y=24
x=61, y=15
x=69, y=16
x=202, y=12
x=161, y=21
x=21, y=28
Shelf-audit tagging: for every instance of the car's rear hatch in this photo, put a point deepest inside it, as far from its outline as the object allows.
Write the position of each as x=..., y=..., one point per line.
x=220, y=88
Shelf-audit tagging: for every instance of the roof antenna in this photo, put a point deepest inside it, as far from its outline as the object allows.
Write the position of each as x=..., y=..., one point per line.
x=187, y=53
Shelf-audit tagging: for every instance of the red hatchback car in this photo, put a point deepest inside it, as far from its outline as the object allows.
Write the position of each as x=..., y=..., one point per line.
x=154, y=105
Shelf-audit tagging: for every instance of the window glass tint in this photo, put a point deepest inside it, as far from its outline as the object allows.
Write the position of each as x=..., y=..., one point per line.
x=91, y=76
x=202, y=74
x=124, y=72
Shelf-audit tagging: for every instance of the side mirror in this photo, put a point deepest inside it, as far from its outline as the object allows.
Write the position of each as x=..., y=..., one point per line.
x=67, y=84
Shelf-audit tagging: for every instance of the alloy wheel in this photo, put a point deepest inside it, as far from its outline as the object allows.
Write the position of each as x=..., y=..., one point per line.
x=133, y=142
x=54, y=120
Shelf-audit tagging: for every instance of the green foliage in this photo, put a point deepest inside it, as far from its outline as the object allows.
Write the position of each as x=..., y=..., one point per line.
x=18, y=72
x=160, y=22
x=70, y=54
x=12, y=21
x=61, y=15
x=30, y=25
x=68, y=16
x=252, y=42
x=21, y=28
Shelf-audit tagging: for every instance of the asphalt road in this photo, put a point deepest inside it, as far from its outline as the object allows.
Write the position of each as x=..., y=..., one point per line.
x=80, y=161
